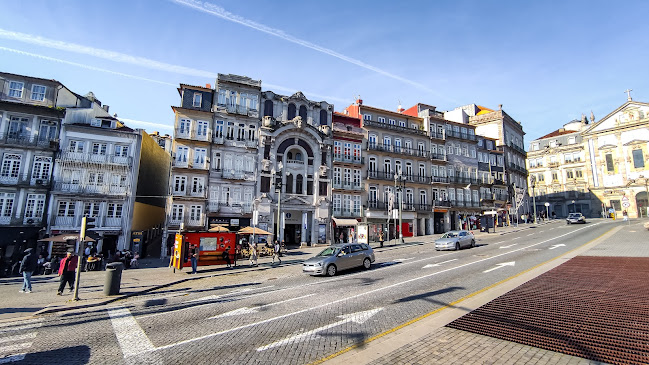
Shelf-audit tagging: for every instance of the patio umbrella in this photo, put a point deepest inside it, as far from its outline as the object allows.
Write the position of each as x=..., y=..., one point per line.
x=255, y=230
x=65, y=238
x=218, y=228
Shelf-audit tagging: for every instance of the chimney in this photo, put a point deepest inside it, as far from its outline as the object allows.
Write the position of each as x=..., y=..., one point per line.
x=359, y=101
x=208, y=86
x=400, y=109
x=106, y=108
x=500, y=107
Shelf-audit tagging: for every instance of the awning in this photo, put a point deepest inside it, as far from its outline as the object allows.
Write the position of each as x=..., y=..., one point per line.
x=64, y=238
x=345, y=222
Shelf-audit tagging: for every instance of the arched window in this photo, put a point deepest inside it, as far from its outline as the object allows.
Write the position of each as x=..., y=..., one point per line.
x=289, y=155
x=291, y=111
x=298, y=184
x=324, y=120
x=298, y=156
x=303, y=112
x=289, y=184
x=268, y=108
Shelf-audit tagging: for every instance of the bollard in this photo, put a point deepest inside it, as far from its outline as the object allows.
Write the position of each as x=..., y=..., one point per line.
x=113, y=278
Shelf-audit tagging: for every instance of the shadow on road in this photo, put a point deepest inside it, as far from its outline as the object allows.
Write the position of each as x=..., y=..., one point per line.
x=68, y=355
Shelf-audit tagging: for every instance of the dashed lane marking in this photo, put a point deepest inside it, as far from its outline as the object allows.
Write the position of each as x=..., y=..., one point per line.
x=132, y=339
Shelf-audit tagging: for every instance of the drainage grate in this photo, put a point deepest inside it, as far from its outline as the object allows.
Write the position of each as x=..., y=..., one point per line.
x=596, y=308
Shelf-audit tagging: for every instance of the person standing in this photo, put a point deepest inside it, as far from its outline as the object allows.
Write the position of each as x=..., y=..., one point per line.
x=253, y=254
x=194, y=260
x=625, y=215
x=276, y=249
x=27, y=268
x=381, y=239
x=66, y=271
x=226, y=256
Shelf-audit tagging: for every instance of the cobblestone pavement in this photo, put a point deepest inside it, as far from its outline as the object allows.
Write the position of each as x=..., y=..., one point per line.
x=278, y=315
x=435, y=344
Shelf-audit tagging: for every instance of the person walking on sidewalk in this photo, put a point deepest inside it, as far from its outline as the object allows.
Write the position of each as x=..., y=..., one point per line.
x=194, y=259
x=66, y=271
x=253, y=254
x=27, y=268
x=381, y=239
x=625, y=216
x=276, y=250
x=226, y=257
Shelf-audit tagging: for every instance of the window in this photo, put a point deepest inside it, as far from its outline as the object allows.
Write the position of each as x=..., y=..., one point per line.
x=11, y=165
x=121, y=151
x=252, y=131
x=347, y=177
x=16, y=89
x=198, y=184
x=348, y=150
x=367, y=117
x=572, y=140
x=382, y=120
x=392, y=121
x=450, y=149
x=6, y=204
x=75, y=146
x=473, y=152
x=397, y=145
x=47, y=131
x=115, y=210
x=555, y=176
x=38, y=92
x=34, y=206
x=357, y=178
x=387, y=167
x=567, y=157
x=337, y=176
x=99, y=149
x=42, y=168
x=458, y=148
x=177, y=212
x=610, y=167
x=18, y=128
x=570, y=174
x=181, y=153
x=371, y=140
x=179, y=184
x=218, y=132
x=402, y=124
x=465, y=150
x=372, y=165
x=184, y=126
x=95, y=178
x=66, y=209
x=230, y=131
x=199, y=156
x=196, y=101
x=638, y=158
x=91, y=209
x=553, y=144
x=302, y=113
x=535, y=147
x=578, y=174
x=387, y=142
x=373, y=196
x=291, y=111
x=299, y=184
x=357, y=205
x=201, y=128
x=337, y=202
x=357, y=152
x=222, y=97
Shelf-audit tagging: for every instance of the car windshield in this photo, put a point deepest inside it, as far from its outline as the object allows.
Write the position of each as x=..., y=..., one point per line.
x=329, y=251
x=449, y=235
x=574, y=215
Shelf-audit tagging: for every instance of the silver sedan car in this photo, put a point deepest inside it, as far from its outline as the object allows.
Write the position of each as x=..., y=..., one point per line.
x=339, y=257
x=455, y=240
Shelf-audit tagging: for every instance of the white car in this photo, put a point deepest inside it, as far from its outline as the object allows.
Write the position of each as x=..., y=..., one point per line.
x=455, y=240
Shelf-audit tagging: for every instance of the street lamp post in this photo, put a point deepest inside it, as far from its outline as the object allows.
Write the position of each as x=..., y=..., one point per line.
x=533, y=184
x=574, y=207
x=547, y=210
x=278, y=188
x=398, y=177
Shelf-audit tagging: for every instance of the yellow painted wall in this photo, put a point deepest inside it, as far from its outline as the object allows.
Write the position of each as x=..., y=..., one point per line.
x=147, y=216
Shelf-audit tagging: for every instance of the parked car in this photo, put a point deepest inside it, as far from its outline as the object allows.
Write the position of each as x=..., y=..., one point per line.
x=455, y=240
x=339, y=257
x=575, y=218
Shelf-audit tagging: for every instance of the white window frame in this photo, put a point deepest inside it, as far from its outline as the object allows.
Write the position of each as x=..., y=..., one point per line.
x=196, y=102
x=16, y=89
x=38, y=93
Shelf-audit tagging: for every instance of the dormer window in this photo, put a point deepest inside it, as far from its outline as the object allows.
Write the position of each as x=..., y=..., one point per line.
x=16, y=89
x=198, y=98
x=38, y=92
x=553, y=144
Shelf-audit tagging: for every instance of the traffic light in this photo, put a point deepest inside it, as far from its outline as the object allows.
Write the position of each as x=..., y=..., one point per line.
x=90, y=222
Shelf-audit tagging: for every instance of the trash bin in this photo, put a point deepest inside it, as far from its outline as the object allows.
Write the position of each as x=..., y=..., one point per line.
x=113, y=278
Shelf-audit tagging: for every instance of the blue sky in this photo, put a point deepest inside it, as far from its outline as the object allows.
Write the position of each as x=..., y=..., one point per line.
x=546, y=62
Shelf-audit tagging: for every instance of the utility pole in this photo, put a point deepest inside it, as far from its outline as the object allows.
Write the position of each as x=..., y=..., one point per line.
x=533, y=183
x=278, y=186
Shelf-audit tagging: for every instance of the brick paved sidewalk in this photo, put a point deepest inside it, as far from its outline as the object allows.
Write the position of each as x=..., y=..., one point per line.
x=429, y=342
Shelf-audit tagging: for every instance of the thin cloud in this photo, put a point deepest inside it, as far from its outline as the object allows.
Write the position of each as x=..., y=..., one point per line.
x=165, y=127
x=220, y=12
x=124, y=58
x=88, y=67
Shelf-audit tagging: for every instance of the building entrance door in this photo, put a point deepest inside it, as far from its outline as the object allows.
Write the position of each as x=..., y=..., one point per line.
x=292, y=234
x=642, y=202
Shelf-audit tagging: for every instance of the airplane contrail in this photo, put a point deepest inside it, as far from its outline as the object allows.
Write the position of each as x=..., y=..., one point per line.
x=220, y=12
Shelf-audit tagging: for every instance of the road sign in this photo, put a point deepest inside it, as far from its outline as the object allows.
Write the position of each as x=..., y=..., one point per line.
x=626, y=204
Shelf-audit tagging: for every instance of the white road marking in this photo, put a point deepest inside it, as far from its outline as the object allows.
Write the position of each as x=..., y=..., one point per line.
x=132, y=339
x=499, y=242
x=184, y=342
x=555, y=246
x=18, y=337
x=498, y=266
x=246, y=310
x=402, y=260
x=512, y=245
x=18, y=346
x=531, y=234
x=13, y=358
x=21, y=328
x=433, y=265
x=358, y=317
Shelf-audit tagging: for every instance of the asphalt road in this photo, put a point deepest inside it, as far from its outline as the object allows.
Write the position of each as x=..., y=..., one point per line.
x=282, y=316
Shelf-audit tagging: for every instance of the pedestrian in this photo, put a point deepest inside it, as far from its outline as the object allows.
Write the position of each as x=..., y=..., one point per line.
x=66, y=271
x=381, y=237
x=276, y=250
x=40, y=265
x=253, y=254
x=226, y=256
x=27, y=268
x=625, y=215
x=194, y=260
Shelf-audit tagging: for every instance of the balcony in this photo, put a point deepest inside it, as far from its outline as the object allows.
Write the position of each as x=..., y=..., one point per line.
x=112, y=222
x=68, y=222
x=199, y=192
x=380, y=175
x=36, y=221
x=348, y=159
x=251, y=144
x=237, y=175
x=203, y=165
x=423, y=208
x=24, y=140
x=464, y=136
x=298, y=163
x=376, y=205
x=520, y=169
x=437, y=135
x=219, y=139
x=25, y=180
x=441, y=203
x=379, y=147
x=551, y=164
x=371, y=123
x=439, y=179
x=518, y=149
x=462, y=180
x=437, y=156
x=84, y=189
x=181, y=163
x=347, y=186
x=95, y=158
x=213, y=206
x=188, y=222
x=346, y=213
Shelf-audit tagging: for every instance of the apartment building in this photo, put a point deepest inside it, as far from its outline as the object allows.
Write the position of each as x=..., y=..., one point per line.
x=294, y=194
x=398, y=169
x=348, y=165
x=95, y=175
x=558, y=171
x=491, y=175
x=31, y=112
x=617, y=154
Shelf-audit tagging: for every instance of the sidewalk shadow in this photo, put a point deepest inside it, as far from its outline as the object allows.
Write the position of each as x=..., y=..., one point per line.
x=428, y=296
x=18, y=310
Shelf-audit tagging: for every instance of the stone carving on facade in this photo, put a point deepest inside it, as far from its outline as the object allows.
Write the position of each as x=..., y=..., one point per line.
x=265, y=165
x=325, y=129
x=323, y=170
x=298, y=122
x=268, y=121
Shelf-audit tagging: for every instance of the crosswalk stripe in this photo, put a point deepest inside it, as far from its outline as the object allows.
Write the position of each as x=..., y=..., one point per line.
x=20, y=328
x=18, y=337
x=18, y=346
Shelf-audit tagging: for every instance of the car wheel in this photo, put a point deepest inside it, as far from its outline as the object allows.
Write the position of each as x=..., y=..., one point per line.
x=457, y=246
x=567, y=222
x=331, y=270
x=367, y=263
x=472, y=243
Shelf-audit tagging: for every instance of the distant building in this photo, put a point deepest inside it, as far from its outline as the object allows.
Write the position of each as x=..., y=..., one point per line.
x=617, y=153
x=491, y=175
x=558, y=172
x=164, y=141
